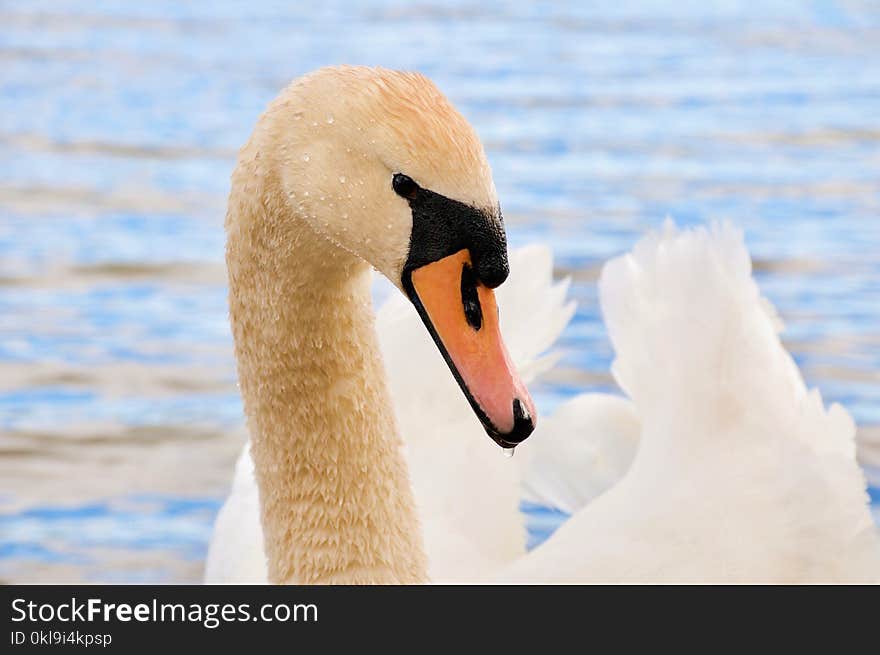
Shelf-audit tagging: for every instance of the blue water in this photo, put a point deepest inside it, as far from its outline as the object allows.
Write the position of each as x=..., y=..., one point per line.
x=120, y=122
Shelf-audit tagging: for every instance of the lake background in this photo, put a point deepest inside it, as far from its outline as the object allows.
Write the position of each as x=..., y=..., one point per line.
x=120, y=122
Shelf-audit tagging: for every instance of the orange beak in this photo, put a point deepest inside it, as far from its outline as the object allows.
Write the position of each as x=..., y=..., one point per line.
x=462, y=317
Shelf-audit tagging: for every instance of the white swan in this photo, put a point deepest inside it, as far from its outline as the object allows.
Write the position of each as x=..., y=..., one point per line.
x=741, y=474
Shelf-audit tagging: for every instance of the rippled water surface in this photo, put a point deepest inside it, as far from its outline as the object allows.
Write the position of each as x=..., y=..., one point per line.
x=119, y=417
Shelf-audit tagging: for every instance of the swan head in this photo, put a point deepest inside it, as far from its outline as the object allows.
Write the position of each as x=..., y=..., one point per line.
x=382, y=165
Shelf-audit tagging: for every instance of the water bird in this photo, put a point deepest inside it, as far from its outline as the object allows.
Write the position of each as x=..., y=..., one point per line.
x=364, y=464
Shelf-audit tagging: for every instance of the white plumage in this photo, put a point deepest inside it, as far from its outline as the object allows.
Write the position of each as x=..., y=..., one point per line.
x=740, y=473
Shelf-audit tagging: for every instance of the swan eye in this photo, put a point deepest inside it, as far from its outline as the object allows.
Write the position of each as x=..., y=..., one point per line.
x=404, y=186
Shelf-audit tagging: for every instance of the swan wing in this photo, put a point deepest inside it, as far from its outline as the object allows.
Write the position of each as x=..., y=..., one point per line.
x=742, y=474
x=583, y=449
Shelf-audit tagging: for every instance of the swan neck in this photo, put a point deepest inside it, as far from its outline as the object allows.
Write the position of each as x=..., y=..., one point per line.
x=335, y=498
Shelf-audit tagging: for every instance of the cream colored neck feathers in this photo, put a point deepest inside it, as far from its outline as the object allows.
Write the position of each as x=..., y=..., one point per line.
x=336, y=505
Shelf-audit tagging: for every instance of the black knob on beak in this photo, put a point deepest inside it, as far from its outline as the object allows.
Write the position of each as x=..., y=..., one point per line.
x=492, y=270
x=489, y=252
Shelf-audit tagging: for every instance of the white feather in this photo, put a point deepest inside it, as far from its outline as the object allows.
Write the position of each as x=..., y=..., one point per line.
x=742, y=475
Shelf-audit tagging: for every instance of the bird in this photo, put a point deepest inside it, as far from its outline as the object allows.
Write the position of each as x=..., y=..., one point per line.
x=365, y=464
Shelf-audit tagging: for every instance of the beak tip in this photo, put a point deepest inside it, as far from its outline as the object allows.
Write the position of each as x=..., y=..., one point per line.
x=523, y=426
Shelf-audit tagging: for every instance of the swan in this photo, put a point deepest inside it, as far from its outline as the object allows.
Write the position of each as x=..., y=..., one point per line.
x=719, y=466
